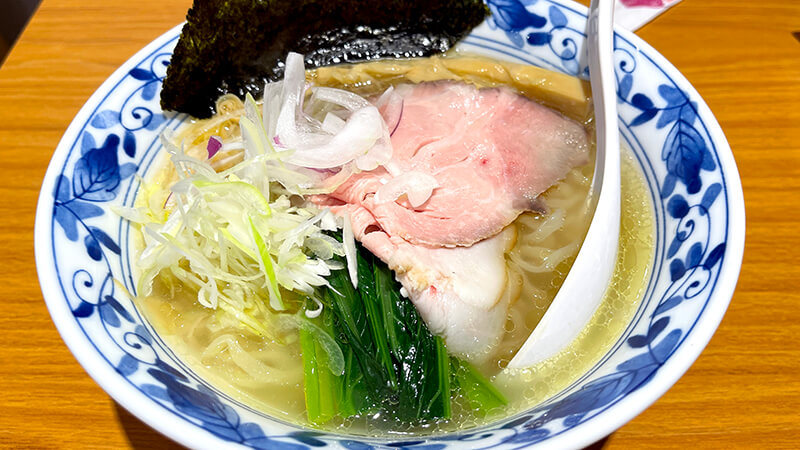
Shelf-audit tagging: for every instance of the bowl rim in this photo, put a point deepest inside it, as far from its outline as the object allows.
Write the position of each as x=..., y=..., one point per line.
x=599, y=426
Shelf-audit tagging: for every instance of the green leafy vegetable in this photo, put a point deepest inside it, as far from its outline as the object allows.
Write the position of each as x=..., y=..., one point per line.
x=483, y=397
x=319, y=381
x=234, y=46
x=376, y=315
x=393, y=364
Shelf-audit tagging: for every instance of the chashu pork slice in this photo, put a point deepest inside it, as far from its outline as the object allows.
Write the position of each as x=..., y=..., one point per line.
x=459, y=291
x=492, y=153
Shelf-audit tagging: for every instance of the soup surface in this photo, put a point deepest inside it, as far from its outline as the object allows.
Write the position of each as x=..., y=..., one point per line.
x=266, y=373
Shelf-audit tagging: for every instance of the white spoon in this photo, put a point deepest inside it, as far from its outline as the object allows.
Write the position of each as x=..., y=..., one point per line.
x=589, y=277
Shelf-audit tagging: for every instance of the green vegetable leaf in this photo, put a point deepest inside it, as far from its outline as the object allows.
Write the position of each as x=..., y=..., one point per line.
x=326, y=343
x=392, y=362
x=319, y=382
x=483, y=397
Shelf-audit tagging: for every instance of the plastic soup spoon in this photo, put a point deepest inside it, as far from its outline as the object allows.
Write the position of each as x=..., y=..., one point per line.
x=589, y=277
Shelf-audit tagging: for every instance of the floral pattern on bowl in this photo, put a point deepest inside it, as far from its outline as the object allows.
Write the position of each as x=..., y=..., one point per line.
x=82, y=247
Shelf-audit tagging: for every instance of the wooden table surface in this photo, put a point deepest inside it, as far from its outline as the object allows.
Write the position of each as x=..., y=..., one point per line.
x=744, y=390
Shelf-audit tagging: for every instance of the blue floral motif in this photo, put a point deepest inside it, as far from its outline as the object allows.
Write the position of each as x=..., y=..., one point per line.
x=112, y=146
x=132, y=117
x=511, y=15
x=685, y=149
x=686, y=155
x=204, y=406
x=96, y=178
x=554, y=29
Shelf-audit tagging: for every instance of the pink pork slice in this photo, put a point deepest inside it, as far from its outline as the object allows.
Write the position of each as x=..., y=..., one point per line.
x=492, y=153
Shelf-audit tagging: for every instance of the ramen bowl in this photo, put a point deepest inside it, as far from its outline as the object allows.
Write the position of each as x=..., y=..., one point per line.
x=84, y=251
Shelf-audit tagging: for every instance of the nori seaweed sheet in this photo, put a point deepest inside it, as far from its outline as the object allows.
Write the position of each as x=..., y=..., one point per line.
x=235, y=46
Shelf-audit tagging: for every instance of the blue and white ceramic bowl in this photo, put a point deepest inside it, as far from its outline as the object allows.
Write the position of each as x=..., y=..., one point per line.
x=82, y=247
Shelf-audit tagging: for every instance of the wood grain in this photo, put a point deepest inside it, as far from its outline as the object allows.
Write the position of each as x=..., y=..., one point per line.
x=744, y=390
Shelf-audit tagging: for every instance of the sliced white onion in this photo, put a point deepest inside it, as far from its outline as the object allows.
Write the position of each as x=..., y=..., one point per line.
x=294, y=83
x=349, y=241
x=384, y=98
x=332, y=124
x=390, y=104
x=271, y=106
x=294, y=78
x=285, y=126
x=358, y=136
x=379, y=154
x=352, y=131
x=340, y=97
x=302, y=134
x=417, y=186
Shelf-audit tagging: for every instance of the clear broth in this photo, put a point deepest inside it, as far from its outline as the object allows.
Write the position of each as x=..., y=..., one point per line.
x=538, y=263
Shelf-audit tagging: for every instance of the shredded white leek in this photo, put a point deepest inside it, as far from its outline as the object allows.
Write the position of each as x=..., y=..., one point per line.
x=241, y=234
x=235, y=232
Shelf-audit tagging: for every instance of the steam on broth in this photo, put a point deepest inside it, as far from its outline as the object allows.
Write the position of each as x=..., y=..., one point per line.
x=266, y=371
